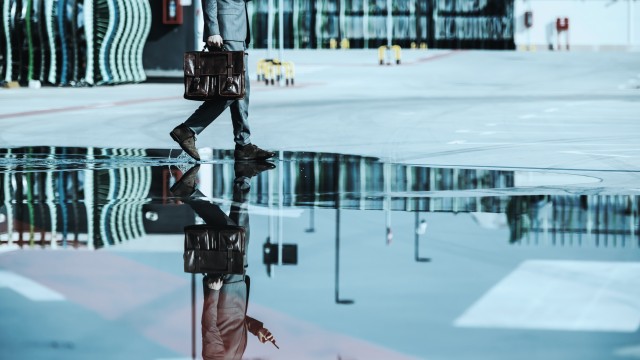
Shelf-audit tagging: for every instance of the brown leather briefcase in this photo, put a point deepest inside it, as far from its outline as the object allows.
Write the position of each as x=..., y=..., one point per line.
x=212, y=75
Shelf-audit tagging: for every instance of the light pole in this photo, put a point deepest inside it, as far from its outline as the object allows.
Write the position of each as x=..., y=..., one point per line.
x=337, y=282
x=312, y=227
x=336, y=189
x=419, y=228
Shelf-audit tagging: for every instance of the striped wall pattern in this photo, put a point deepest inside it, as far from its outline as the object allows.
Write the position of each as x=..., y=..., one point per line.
x=73, y=42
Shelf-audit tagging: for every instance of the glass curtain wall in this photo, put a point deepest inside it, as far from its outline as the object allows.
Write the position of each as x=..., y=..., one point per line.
x=475, y=24
x=315, y=24
x=73, y=42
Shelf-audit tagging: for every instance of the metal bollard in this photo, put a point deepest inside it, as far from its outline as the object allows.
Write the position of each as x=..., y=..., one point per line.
x=289, y=72
x=398, y=52
x=382, y=52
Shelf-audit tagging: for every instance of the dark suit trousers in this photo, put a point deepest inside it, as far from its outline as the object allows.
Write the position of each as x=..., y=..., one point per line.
x=210, y=110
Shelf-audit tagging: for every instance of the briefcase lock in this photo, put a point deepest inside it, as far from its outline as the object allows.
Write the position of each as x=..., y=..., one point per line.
x=230, y=86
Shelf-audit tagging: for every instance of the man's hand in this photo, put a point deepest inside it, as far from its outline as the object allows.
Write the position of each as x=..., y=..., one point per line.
x=264, y=335
x=214, y=285
x=214, y=40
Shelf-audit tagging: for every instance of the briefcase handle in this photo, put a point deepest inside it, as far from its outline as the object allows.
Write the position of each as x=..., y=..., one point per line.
x=215, y=48
x=212, y=48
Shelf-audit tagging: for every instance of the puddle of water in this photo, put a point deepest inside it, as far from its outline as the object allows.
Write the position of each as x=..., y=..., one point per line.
x=334, y=240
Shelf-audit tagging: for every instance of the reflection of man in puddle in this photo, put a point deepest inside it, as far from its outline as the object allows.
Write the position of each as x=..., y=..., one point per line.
x=225, y=323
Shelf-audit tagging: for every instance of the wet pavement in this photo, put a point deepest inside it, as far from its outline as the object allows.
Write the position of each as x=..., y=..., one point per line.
x=350, y=257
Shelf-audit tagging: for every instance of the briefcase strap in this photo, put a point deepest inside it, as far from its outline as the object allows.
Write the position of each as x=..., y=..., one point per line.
x=229, y=65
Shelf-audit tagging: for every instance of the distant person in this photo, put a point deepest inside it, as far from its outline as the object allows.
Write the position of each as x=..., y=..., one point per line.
x=226, y=26
x=225, y=324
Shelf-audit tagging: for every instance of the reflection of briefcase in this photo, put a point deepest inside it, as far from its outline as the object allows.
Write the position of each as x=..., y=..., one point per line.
x=210, y=249
x=214, y=75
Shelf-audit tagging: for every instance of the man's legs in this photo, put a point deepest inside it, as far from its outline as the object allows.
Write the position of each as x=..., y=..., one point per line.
x=240, y=108
x=210, y=110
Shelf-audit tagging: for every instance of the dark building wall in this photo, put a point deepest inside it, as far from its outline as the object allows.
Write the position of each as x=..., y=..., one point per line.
x=167, y=44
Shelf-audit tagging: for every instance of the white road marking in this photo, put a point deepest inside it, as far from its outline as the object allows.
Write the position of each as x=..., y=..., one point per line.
x=561, y=295
x=595, y=154
x=27, y=287
x=454, y=142
x=628, y=352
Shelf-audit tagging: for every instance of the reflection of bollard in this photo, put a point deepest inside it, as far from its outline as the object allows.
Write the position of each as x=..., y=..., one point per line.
x=333, y=44
x=344, y=43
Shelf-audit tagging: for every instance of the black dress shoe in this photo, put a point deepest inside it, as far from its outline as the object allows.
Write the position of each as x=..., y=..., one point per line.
x=251, y=152
x=186, y=139
x=186, y=186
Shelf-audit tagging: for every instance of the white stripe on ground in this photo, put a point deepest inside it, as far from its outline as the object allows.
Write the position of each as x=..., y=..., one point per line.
x=561, y=295
x=27, y=287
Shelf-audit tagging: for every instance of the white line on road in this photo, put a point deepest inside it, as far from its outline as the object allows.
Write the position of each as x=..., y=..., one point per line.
x=27, y=287
x=595, y=154
x=561, y=295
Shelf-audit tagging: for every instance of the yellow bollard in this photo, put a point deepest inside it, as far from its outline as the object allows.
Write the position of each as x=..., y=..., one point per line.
x=267, y=72
x=381, y=51
x=423, y=46
x=261, y=69
x=11, y=85
x=273, y=70
x=413, y=45
x=344, y=43
x=289, y=69
x=333, y=44
x=398, y=51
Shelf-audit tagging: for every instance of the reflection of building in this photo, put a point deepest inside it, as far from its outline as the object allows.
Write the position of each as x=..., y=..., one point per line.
x=354, y=182
x=365, y=183
x=86, y=207
x=107, y=196
x=574, y=220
